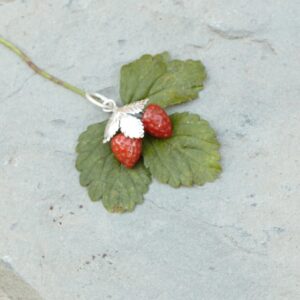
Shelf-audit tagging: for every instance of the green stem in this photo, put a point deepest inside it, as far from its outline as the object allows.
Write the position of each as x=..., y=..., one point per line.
x=38, y=70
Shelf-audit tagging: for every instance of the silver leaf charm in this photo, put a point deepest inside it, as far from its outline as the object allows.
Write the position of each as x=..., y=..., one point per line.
x=112, y=126
x=133, y=108
x=131, y=127
x=123, y=119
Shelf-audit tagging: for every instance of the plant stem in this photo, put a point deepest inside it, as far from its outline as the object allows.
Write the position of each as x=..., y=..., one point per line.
x=38, y=70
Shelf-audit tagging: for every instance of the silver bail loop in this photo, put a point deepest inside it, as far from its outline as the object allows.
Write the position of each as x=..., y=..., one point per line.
x=107, y=105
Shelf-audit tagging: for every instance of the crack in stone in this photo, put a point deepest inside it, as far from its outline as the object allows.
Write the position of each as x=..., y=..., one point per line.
x=207, y=46
x=232, y=34
x=239, y=237
x=15, y=92
x=266, y=44
x=236, y=34
x=237, y=245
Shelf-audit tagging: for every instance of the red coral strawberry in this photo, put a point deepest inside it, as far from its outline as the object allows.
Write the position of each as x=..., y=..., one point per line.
x=156, y=122
x=126, y=150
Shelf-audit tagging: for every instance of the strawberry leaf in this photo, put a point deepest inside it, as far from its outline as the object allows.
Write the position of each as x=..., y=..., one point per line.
x=165, y=82
x=120, y=189
x=189, y=157
x=138, y=77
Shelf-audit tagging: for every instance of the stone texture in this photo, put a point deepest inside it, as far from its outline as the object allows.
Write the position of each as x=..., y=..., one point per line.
x=236, y=238
x=3, y=296
x=12, y=287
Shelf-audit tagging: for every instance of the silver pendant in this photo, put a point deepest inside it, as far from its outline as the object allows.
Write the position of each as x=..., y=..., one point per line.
x=122, y=118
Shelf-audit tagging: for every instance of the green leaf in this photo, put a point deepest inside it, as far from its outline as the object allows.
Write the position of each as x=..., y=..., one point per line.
x=189, y=157
x=120, y=189
x=165, y=82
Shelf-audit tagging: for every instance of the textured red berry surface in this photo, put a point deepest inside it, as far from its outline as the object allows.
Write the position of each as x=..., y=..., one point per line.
x=156, y=122
x=126, y=150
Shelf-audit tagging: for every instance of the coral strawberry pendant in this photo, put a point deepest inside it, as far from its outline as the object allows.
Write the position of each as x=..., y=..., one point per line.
x=156, y=122
x=126, y=150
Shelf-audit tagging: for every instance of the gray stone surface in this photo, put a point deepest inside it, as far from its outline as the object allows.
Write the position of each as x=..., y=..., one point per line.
x=12, y=287
x=237, y=238
x=3, y=296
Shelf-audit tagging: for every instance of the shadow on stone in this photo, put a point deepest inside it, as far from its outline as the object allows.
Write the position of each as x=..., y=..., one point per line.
x=13, y=287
